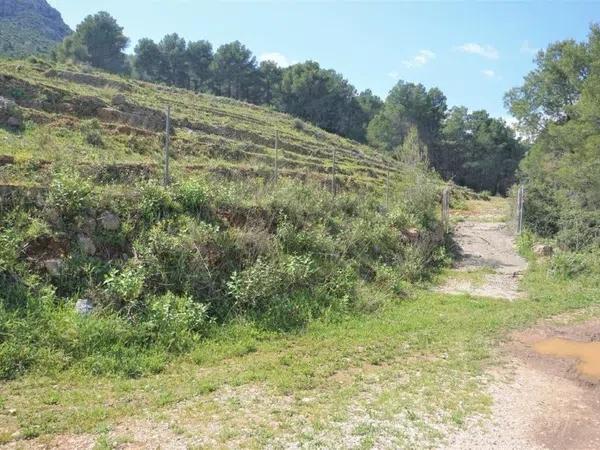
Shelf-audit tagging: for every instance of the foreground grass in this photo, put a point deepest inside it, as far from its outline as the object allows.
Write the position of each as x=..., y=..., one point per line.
x=404, y=374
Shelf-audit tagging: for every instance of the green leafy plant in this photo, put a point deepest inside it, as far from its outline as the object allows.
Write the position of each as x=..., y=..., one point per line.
x=176, y=320
x=92, y=132
x=125, y=286
x=254, y=287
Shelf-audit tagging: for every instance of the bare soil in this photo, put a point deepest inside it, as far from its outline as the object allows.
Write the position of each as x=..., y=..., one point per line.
x=488, y=246
x=539, y=401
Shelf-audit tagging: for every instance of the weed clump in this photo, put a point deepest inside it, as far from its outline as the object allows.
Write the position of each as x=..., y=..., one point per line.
x=92, y=132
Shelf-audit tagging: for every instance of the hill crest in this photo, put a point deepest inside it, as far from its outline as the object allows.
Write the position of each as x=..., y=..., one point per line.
x=29, y=27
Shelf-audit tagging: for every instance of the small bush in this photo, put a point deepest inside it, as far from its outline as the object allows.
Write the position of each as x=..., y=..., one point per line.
x=315, y=240
x=525, y=244
x=176, y=320
x=402, y=219
x=15, y=359
x=299, y=125
x=92, y=132
x=125, y=286
x=414, y=262
x=156, y=202
x=188, y=257
x=70, y=196
x=143, y=145
x=485, y=195
x=567, y=265
x=290, y=312
x=192, y=195
x=256, y=286
x=391, y=278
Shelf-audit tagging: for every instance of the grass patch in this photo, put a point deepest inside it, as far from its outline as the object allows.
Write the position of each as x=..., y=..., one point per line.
x=419, y=362
x=475, y=276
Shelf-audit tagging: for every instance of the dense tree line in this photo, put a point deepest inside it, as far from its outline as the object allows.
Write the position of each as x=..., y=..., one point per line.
x=558, y=106
x=305, y=90
x=471, y=148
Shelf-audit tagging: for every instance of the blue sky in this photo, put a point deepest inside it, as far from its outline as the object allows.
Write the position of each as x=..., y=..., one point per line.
x=474, y=52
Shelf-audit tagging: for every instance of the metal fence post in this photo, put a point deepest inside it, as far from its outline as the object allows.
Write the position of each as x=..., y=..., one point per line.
x=446, y=209
x=518, y=211
x=520, y=203
x=387, y=189
x=276, y=156
x=333, y=174
x=167, y=144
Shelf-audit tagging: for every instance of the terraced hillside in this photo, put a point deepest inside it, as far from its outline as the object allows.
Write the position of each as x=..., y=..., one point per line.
x=86, y=224
x=114, y=128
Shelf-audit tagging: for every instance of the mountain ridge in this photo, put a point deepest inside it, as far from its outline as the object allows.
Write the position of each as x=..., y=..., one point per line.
x=30, y=27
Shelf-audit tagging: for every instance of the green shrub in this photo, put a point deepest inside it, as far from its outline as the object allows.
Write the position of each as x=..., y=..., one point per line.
x=567, y=265
x=299, y=125
x=314, y=240
x=80, y=275
x=525, y=244
x=338, y=286
x=70, y=196
x=414, y=261
x=125, y=286
x=190, y=254
x=176, y=320
x=290, y=312
x=92, y=132
x=419, y=199
x=390, y=278
x=15, y=359
x=156, y=202
x=188, y=257
x=192, y=195
x=485, y=195
x=578, y=229
x=372, y=238
x=255, y=287
x=402, y=219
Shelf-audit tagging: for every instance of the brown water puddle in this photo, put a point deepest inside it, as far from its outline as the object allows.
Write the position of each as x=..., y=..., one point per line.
x=588, y=353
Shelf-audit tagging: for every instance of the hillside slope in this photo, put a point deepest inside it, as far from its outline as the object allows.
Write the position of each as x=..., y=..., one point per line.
x=210, y=133
x=29, y=27
x=86, y=224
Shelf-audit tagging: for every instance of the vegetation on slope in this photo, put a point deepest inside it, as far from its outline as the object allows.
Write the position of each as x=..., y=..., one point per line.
x=29, y=27
x=406, y=375
x=473, y=149
x=558, y=107
x=83, y=218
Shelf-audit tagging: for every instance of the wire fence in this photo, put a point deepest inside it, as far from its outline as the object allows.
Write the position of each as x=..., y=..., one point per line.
x=383, y=164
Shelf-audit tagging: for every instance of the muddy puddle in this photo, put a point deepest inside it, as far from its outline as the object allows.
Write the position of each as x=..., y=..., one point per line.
x=587, y=353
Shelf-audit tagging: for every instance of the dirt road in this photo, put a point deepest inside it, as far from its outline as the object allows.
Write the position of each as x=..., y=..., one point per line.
x=487, y=249
x=538, y=401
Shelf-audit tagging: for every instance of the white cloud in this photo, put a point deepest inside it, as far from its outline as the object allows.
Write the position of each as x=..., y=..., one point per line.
x=393, y=74
x=278, y=58
x=527, y=48
x=489, y=73
x=419, y=60
x=487, y=51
